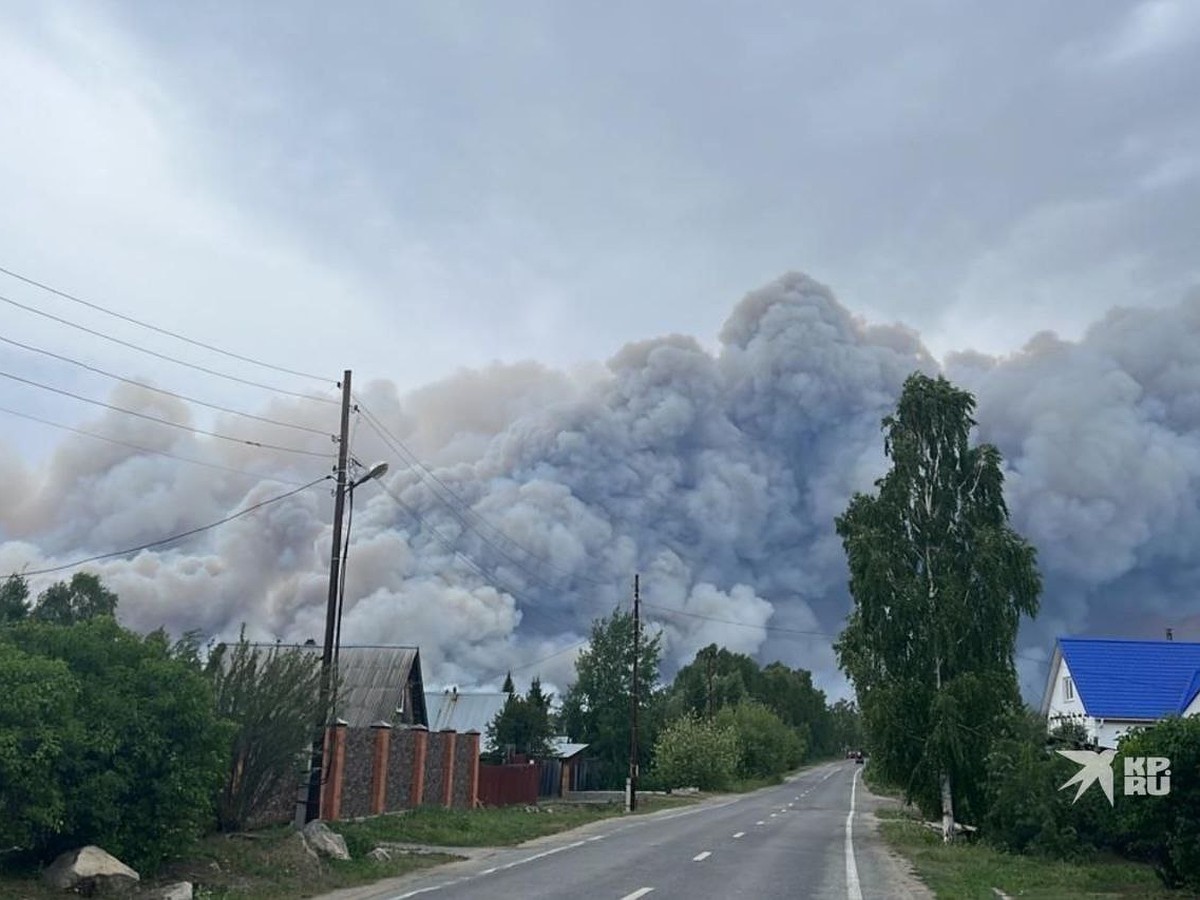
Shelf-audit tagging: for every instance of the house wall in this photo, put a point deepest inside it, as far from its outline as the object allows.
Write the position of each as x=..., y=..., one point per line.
x=1060, y=705
x=1193, y=708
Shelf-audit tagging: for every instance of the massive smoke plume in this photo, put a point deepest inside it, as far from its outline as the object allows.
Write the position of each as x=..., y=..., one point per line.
x=717, y=475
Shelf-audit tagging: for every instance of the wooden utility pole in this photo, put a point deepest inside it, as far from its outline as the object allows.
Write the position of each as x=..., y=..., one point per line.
x=316, y=779
x=633, y=700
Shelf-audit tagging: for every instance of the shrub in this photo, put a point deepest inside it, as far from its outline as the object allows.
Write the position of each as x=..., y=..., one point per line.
x=767, y=747
x=142, y=750
x=1166, y=830
x=694, y=752
x=273, y=699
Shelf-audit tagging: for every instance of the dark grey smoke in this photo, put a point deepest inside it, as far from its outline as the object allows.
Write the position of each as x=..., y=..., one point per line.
x=717, y=475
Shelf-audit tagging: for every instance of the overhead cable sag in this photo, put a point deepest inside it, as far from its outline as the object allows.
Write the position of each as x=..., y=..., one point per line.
x=195, y=343
x=161, y=421
x=163, y=356
x=158, y=390
x=139, y=447
x=176, y=537
x=462, y=509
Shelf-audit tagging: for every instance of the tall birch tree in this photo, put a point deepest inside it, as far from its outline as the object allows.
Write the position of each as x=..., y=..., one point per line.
x=939, y=581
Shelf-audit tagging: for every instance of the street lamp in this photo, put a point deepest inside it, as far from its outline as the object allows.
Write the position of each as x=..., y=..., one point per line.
x=333, y=611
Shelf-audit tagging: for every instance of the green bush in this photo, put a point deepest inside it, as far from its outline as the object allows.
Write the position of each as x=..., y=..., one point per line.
x=1026, y=812
x=133, y=749
x=35, y=717
x=694, y=752
x=1165, y=830
x=273, y=698
x=767, y=747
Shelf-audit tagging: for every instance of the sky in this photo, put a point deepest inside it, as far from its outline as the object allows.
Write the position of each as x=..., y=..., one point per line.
x=491, y=215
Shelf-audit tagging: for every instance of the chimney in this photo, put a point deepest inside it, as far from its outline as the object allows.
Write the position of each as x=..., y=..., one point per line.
x=1170, y=634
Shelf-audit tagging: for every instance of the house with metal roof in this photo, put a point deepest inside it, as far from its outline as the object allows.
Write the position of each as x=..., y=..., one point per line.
x=375, y=684
x=464, y=711
x=1111, y=686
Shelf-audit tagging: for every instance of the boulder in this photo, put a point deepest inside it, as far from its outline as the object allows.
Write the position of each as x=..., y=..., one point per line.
x=379, y=854
x=89, y=870
x=181, y=890
x=324, y=841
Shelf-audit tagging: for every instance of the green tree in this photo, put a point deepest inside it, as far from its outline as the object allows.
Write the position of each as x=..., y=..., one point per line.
x=695, y=752
x=35, y=726
x=596, y=707
x=1166, y=829
x=508, y=687
x=523, y=725
x=272, y=697
x=14, y=593
x=845, y=723
x=143, y=752
x=939, y=581
x=81, y=599
x=767, y=748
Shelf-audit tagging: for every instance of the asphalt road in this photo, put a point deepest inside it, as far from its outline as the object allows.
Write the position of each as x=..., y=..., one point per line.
x=812, y=837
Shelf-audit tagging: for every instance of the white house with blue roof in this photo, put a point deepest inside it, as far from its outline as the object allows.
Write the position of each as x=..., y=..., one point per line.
x=1111, y=686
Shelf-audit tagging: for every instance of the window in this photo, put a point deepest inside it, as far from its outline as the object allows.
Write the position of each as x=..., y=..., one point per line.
x=1068, y=688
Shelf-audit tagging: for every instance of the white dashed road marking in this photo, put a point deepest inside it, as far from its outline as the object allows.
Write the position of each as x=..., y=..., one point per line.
x=700, y=857
x=760, y=822
x=640, y=892
x=740, y=834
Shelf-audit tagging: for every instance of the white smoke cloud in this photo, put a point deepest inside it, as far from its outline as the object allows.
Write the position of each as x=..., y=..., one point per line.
x=716, y=474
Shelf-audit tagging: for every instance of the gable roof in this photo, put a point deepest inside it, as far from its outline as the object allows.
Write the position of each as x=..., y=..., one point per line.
x=1127, y=679
x=461, y=712
x=375, y=683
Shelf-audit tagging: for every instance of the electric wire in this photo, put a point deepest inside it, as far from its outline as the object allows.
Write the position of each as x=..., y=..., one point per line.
x=176, y=537
x=161, y=421
x=139, y=447
x=163, y=356
x=462, y=510
x=537, y=662
x=195, y=343
x=158, y=390
x=776, y=629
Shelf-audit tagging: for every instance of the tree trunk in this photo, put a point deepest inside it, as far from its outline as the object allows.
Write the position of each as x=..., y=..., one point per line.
x=947, y=810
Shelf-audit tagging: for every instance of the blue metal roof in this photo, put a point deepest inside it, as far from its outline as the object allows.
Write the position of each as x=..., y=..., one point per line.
x=1123, y=679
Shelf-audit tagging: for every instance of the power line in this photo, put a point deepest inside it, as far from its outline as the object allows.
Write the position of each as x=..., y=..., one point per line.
x=180, y=536
x=536, y=662
x=462, y=509
x=772, y=628
x=100, y=437
x=162, y=356
x=458, y=554
x=158, y=390
x=150, y=418
x=195, y=343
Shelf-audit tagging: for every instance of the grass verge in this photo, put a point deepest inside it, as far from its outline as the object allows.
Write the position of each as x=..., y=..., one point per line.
x=490, y=827
x=971, y=871
x=271, y=864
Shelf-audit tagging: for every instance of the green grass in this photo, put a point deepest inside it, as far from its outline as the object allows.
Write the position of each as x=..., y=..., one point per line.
x=490, y=827
x=969, y=871
x=266, y=865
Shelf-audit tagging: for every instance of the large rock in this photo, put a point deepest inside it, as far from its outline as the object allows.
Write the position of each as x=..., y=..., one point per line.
x=379, y=854
x=324, y=841
x=89, y=870
x=181, y=890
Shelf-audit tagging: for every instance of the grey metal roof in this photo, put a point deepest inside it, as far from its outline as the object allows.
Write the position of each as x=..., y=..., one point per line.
x=463, y=712
x=373, y=683
x=564, y=749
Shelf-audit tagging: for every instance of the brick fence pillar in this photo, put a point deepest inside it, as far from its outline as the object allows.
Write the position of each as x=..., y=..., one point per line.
x=472, y=738
x=417, y=784
x=448, y=767
x=382, y=732
x=331, y=802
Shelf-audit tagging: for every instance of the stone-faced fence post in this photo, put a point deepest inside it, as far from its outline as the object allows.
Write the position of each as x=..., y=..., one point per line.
x=420, y=744
x=448, y=767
